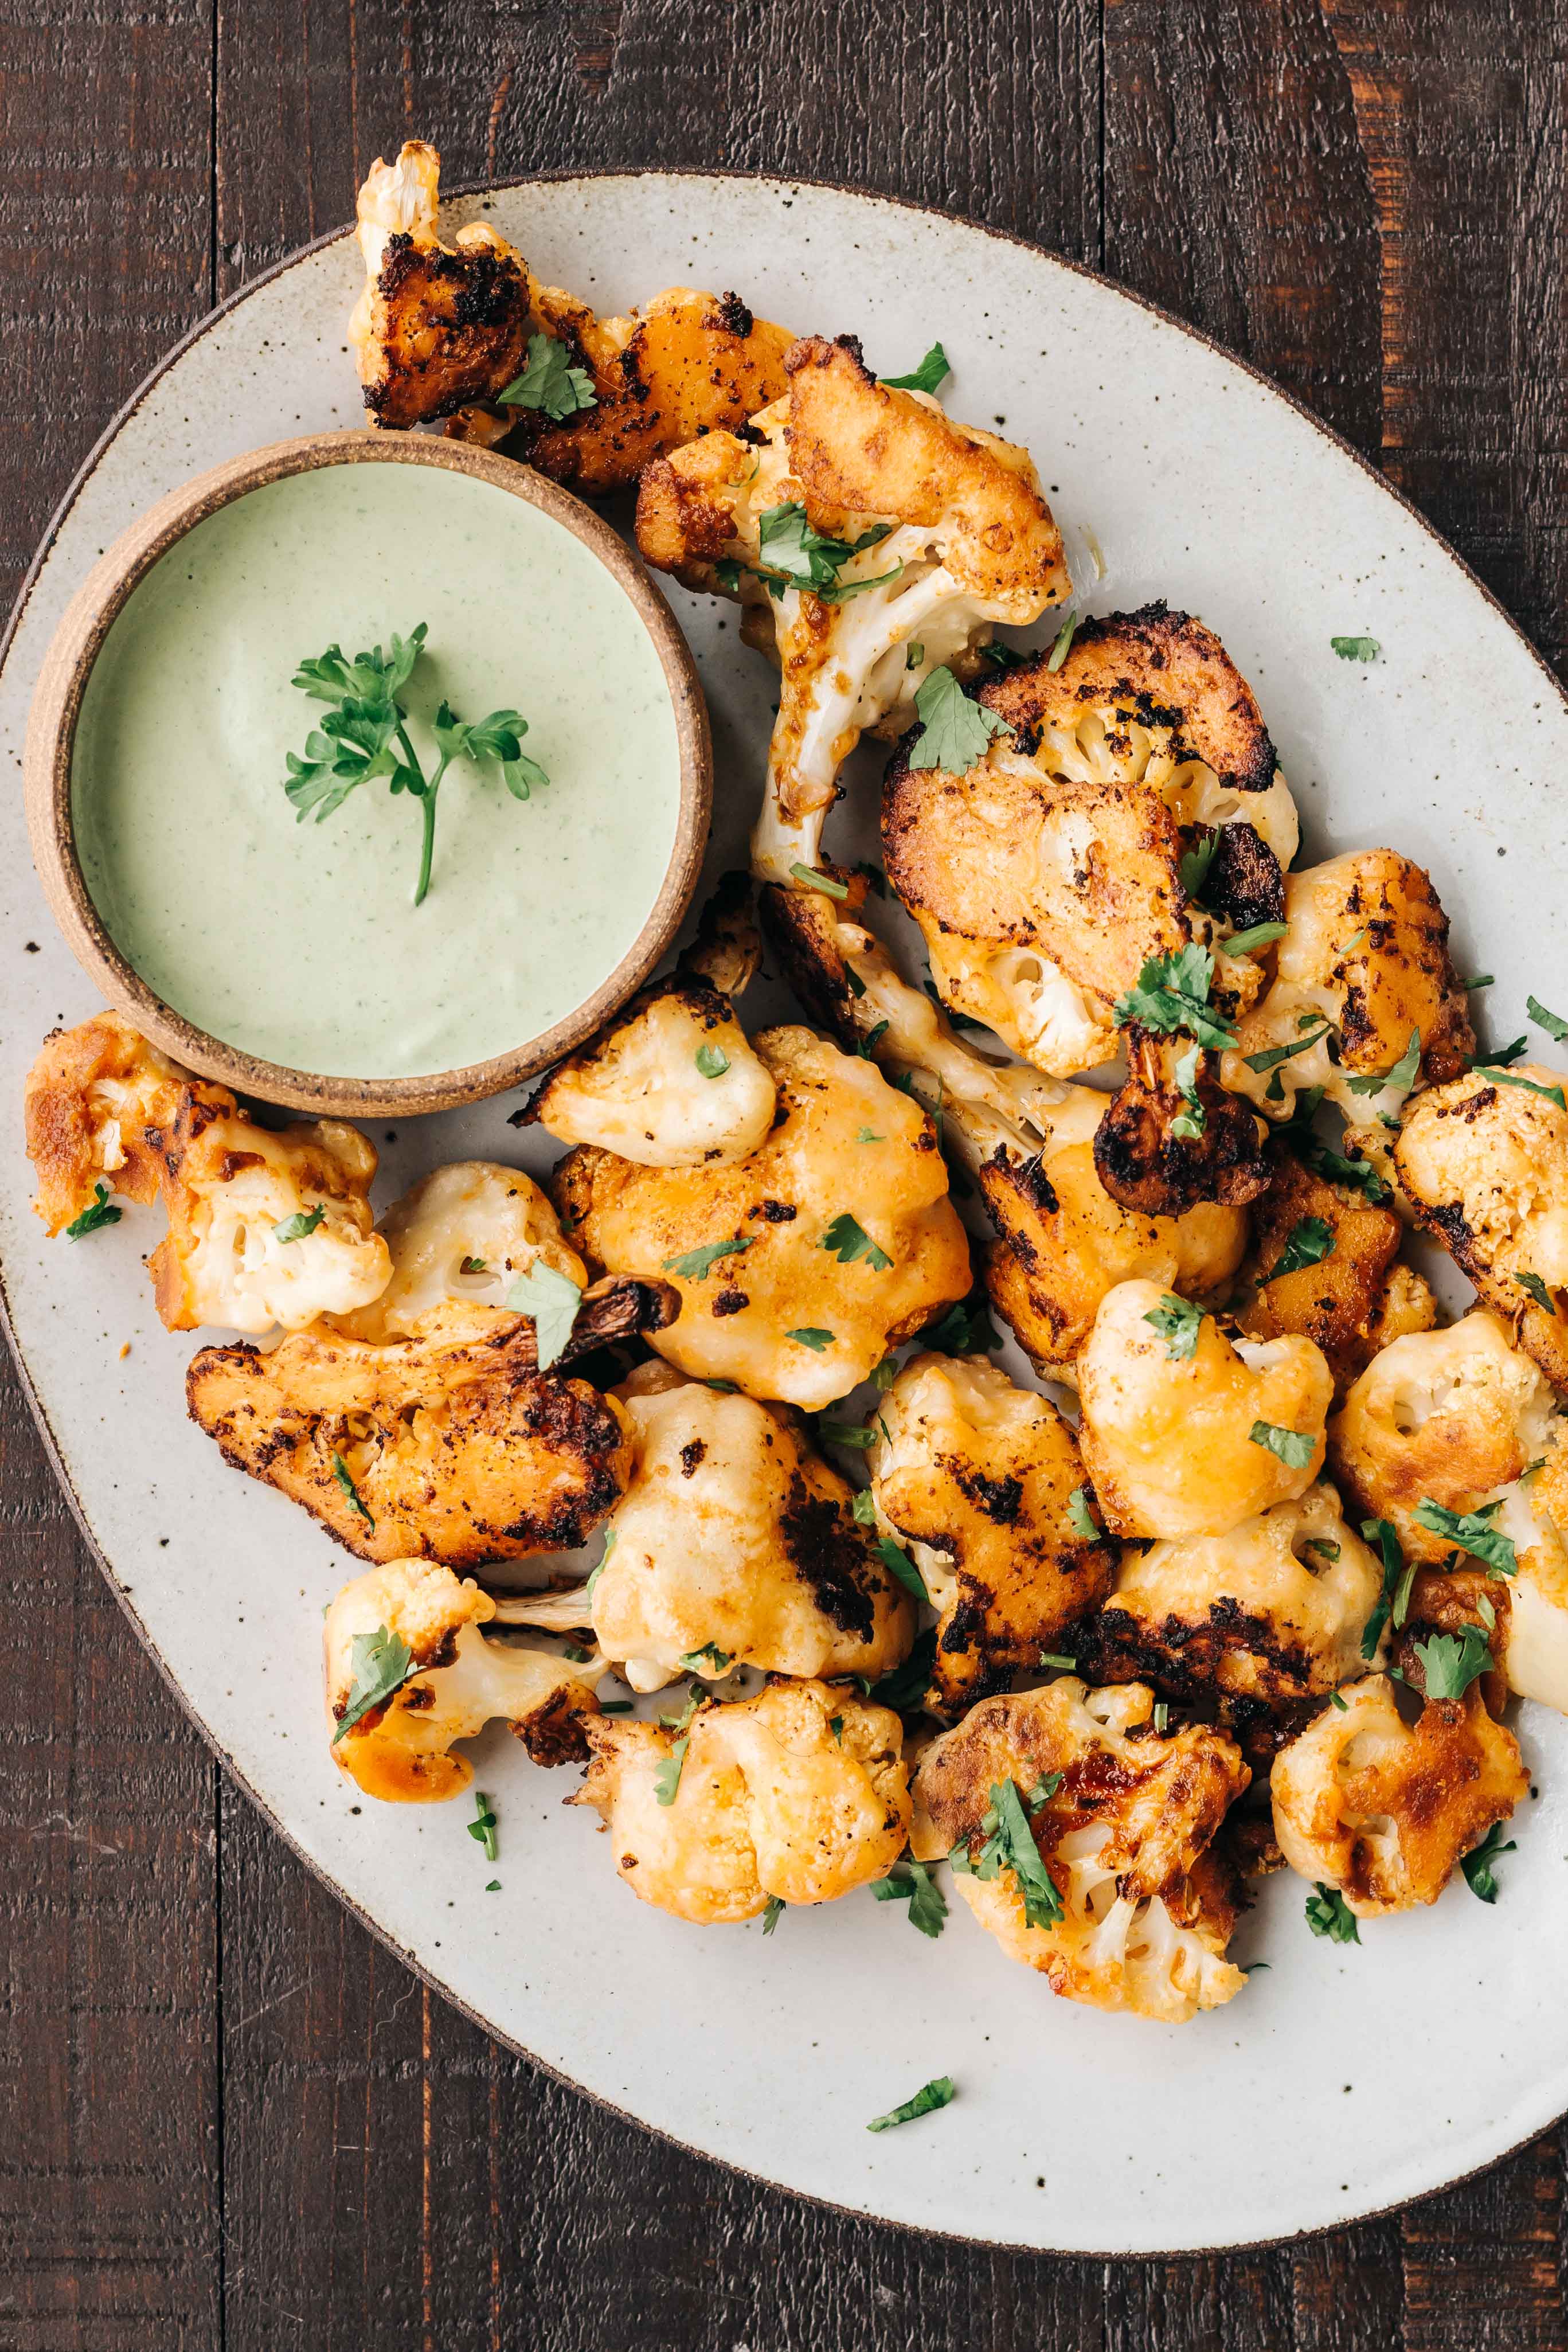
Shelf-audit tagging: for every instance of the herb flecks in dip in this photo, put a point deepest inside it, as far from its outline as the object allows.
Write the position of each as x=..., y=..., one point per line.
x=301, y=943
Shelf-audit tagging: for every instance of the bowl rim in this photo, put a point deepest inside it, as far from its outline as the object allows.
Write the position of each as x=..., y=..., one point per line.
x=56, y=710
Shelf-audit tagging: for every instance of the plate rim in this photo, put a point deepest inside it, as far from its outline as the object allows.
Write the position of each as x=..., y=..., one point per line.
x=320, y=1870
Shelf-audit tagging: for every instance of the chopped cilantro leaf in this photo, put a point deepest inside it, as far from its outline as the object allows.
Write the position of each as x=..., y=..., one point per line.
x=1552, y=1023
x=1190, y=1123
x=1063, y=644
x=772, y=1912
x=863, y=1508
x=698, y=1264
x=351, y=1492
x=1450, y=1663
x=549, y=382
x=712, y=1061
x=1328, y=1914
x=931, y=2095
x=964, y=1331
x=1481, y=980
x=380, y=1663
x=1257, y=936
x=897, y=1562
x=1010, y=1845
x=866, y=1135
x=815, y=879
x=905, y=1687
x=1195, y=865
x=1293, y=1447
x=811, y=1335
x=1361, y=649
x=709, y=1660
x=933, y=370
x=1402, y=1077
x=1079, y=1517
x=1273, y=1055
x=955, y=730
x=1533, y=1288
x=1179, y=1322
x=1477, y=1865
x=1507, y=1079
x=667, y=1773
x=1322, y=1547
x=848, y=1239
x=859, y=1434
x=1310, y=1241
x=1384, y=1535
x=472, y=1265
x=1172, y=996
x=303, y=1222
x=911, y=1882
x=551, y=1301
x=98, y=1214
x=1470, y=1531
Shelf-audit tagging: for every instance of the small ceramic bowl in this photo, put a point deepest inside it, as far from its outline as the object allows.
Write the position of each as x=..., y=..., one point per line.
x=57, y=705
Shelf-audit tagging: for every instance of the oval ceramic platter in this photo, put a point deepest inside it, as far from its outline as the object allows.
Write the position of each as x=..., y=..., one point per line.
x=1334, y=2085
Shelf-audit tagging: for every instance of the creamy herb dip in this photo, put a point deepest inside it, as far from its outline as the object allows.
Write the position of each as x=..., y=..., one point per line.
x=301, y=942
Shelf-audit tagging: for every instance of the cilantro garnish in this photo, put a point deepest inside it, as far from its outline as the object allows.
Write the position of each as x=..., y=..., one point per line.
x=1552, y=1023
x=897, y=1562
x=1010, y=1845
x=351, y=1492
x=1296, y=1134
x=868, y=1045
x=1396, y=1581
x=483, y=1825
x=1190, y=1123
x=964, y=1331
x=98, y=1214
x=1480, y=980
x=1172, y=994
x=1321, y=1544
x=667, y=1772
x=955, y=730
x=551, y=1299
x=382, y=1662
x=1179, y=1322
x=698, y=1264
x=712, y=1061
x=905, y=1687
x=719, y=1662
x=914, y=654
x=1402, y=1076
x=1477, y=1865
x=1503, y=1058
x=1450, y=1663
x=1508, y=1078
x=303, y=1222
x=933, y=370
x=365, y=735
x=911, y=1882
x=1362, y=650
x=1293, y=1447
x=1469, y=1530
x=792, y=555
x=866, y=1135
x=884, y=1374
x=1328, y=1914
x=1243, y=943
x=1533, y=1288
x=814, y=879
x=931, y=2095
x=1079, y=1517
x=857, y=1434
x=549, y=382
x=863, y=1508
x=848, y=1239
x=1194, y=866
x=1271, y=1058
x=812, y=1335
x=1063, y=644
x=1310, y=1241
x=772, y=1912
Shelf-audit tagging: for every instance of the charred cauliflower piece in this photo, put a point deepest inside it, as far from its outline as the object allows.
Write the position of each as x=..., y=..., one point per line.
x=1463, y=1419
x=762, y=1800
x=460, y=1239
x=1484, y=1164
x=1045, y=877
x=672, y=1082
x=733, y=1545
x=1184, y=1434
x=1121, y=1903
x=1323, y=1263
x=978, y=1476
x=1173, y=1137
x=1363, y=968
x=414, y=1614
x=1259, y=1621
x=265, y=1227
x=452, y=1446
x=839, y=1228
x=854, y=521
x=436, y=325
x=1382, y=1810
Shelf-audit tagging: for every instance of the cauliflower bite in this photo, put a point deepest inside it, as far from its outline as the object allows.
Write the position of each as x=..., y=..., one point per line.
x=1184, y=1434
x=1262, y=1619
x=798, y=1795
x=1350, y=1299
x=1122, y=1819
x=733, y=1545
x=1381, y=1808
x=1173, y=1138
x=1045, y=877
x=671, y=1082
x=460, y=1239
x=1463, y=1419
x=452, y=1446
x=265, y=1227
x=924, y=533
x=799, y=1268
x=1362, y=968
x=435, y=325
x=443, y=330
x=976, y=1476
x=457, y=1682
x=1484, y=1164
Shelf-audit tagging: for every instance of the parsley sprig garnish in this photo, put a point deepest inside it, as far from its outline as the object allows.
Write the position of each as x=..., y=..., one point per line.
x=1010, y=1845
x=1450, y=1663
x=792, y=554
x=548, y=383
x=1172, y=997
x=911, y=1882
x=364, y=735
x=955, y=730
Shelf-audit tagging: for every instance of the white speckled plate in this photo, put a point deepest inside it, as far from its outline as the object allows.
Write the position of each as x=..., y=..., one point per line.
x=1342, y=2081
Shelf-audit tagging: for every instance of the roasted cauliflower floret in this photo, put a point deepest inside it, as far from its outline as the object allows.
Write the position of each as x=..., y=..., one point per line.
x=978, y=1477
x=854, y=521
x=265, y=1227
x=459, y=1239
x=1260, y=1620
x=413, y=1620
x=452, y=1446
x=1382, y=1810
x=436, y=325
x=1363, y=968
x=1323, y=1263
x=672, y=1082
x=800, y=1267
x=733, y=1545
x=1173, y=1137
x=1184, y=1434
x=798, y=1795
x=1120, y=1902
x=1484, y=1164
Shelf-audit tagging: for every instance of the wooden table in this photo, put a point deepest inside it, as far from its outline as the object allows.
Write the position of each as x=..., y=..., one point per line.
x=230, y=2118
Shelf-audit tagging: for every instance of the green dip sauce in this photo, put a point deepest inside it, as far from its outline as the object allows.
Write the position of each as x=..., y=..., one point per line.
x=299, y=942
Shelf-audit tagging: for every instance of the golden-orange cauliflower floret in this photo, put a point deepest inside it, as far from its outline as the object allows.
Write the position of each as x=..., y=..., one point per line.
x=1323, y=1263
x=839, y=1228
x=1484, y=1164
x=1363, y=968
x=265, y=1226
x=1120, y=1901
x=411, y=1631
x=1184, y=1433
x=1382, y=1810
x=459, y=1240
x=798, y=1795
x=733, y=1545
x=940, y=530
x=978, y=1477
x=671, y=1082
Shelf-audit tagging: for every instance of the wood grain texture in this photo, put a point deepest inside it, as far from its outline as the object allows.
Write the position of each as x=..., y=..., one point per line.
x=240, y=2123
